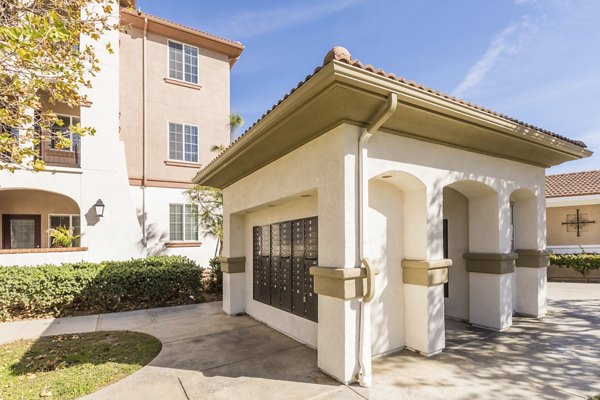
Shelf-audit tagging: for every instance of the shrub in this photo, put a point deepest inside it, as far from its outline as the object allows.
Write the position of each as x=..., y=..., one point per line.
x=83, y=287
x=581, y=262
x=215, y=283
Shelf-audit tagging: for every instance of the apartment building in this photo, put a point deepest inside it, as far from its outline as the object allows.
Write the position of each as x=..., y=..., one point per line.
x=159, y=103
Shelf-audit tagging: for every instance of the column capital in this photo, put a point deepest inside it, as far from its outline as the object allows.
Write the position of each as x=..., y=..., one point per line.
x=340, y=283
x=533, y=258
x=490, y=263
x=425, y=272
x=233, y=265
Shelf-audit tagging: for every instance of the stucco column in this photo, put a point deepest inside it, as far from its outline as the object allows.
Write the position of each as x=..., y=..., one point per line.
x=424, y=304
x=490, y=263
x=233, y=264
x=337, y=340
x=424, y=274
x=532, y=267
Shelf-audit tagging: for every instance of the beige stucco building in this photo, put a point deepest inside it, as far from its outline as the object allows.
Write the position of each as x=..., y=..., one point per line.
x=158, y=105
x=363, y=208
x=573, y=212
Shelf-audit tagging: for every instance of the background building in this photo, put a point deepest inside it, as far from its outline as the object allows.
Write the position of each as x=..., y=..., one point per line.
x=158, y=104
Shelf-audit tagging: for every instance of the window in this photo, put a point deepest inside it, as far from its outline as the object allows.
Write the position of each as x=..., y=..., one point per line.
x=14, y=135
x=75, y=139
x=66, y=221
x=183, y=142
x=21, y=231
x=183, y=62
x=183, y=222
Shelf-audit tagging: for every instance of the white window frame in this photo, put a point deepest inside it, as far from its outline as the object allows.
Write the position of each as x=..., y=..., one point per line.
x=183, y=125
x=183, y=223
x=184, y=45
x=62, y=215
x=70, y=133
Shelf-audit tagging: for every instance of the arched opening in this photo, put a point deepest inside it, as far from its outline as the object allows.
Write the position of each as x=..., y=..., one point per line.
x=28, y=214
x=396, y=229
x=471, y=218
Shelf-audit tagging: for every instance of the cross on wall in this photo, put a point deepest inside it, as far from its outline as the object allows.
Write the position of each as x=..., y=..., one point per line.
x=577, y=221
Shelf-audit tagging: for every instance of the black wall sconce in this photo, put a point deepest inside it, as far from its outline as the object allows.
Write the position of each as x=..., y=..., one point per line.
x=99, y=207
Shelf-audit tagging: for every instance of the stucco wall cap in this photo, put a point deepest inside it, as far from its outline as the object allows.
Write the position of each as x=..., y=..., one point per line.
x=426, y=264
x=338, y=273
x=527, y=252
x=490, y=256
x=232, y=259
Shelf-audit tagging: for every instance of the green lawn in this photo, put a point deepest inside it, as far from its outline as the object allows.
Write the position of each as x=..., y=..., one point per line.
x=70, y=366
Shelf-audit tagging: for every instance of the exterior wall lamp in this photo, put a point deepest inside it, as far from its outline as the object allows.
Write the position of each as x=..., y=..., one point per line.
x=99, y=207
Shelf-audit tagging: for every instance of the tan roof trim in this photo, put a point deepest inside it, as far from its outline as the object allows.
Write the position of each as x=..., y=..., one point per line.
x=373, y=86
x=183, y=33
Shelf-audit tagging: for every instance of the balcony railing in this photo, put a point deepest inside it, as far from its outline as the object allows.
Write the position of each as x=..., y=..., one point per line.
x=60, y=157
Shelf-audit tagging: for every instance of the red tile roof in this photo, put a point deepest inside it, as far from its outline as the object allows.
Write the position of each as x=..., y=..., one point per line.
x=573, y=184
x=340, y=54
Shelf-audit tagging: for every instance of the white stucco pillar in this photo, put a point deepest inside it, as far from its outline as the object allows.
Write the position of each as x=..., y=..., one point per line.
x=490, y=263
x=337, y=341
x=425, y=274
x=233, y=264
x=532, y=264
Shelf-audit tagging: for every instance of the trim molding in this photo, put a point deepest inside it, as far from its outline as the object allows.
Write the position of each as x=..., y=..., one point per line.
x=174, y=245
x=490, y=263
x=44, y=250
x=161, y=183
x=183, y=83
x=533, y=258
x=425, y=272
x=182, y=164
x=233, y=265
x=340, y=283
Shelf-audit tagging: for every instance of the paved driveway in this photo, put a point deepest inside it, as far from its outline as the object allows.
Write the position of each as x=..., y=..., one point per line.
x=207, y=355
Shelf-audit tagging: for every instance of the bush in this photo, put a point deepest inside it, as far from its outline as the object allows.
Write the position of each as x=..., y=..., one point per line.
x=79, y=288
x=215, y=283
x=581, y=262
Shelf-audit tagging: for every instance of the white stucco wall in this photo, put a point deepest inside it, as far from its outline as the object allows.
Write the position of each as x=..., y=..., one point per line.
x=157, y=224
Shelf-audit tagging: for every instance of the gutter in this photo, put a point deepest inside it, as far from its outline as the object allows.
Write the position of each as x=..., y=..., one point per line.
x=144, y=124
x=365, y=376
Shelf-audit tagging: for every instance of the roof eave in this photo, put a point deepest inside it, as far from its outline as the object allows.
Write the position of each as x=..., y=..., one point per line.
x=377, y=86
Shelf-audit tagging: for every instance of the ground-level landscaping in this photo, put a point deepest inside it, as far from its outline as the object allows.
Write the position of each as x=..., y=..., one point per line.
x=92, y=288
x=70, y=366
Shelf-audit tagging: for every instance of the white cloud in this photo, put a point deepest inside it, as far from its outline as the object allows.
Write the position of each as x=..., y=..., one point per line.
x=255, y=23
x=503, y=43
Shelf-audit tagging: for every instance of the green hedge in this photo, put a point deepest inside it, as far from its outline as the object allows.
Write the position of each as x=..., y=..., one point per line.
x=84, y=288
x=582, y=262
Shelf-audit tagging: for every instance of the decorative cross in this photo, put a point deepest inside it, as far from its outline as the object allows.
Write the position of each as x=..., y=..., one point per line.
x=577, y=221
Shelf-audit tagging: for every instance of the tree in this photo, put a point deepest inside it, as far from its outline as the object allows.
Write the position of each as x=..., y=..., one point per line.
x=210, y=212
x=42, y=64
x=235, y=121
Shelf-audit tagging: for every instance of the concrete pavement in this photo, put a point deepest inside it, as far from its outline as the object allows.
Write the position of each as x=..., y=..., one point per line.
x=208, y=355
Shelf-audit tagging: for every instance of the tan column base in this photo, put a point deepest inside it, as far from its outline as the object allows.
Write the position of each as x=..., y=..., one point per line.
x=233, y=265
x=425, y=272
x=340, y=283
x=490, y=263
x=533, y=258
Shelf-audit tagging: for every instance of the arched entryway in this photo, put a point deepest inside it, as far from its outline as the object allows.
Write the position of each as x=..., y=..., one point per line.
x=28, y=214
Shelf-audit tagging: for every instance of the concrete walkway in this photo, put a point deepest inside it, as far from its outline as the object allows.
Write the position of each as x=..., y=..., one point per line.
x=208, y=355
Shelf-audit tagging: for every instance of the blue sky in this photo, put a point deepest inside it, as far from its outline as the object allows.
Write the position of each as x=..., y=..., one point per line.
x=535, y=60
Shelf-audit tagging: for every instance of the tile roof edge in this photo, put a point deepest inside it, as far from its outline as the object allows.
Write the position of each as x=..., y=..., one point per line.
x=341, y=54
x=574, y=173
x=177, y=25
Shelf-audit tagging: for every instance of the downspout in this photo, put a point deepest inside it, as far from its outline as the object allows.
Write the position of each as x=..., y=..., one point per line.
x=364, y=329
x=143, y=187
